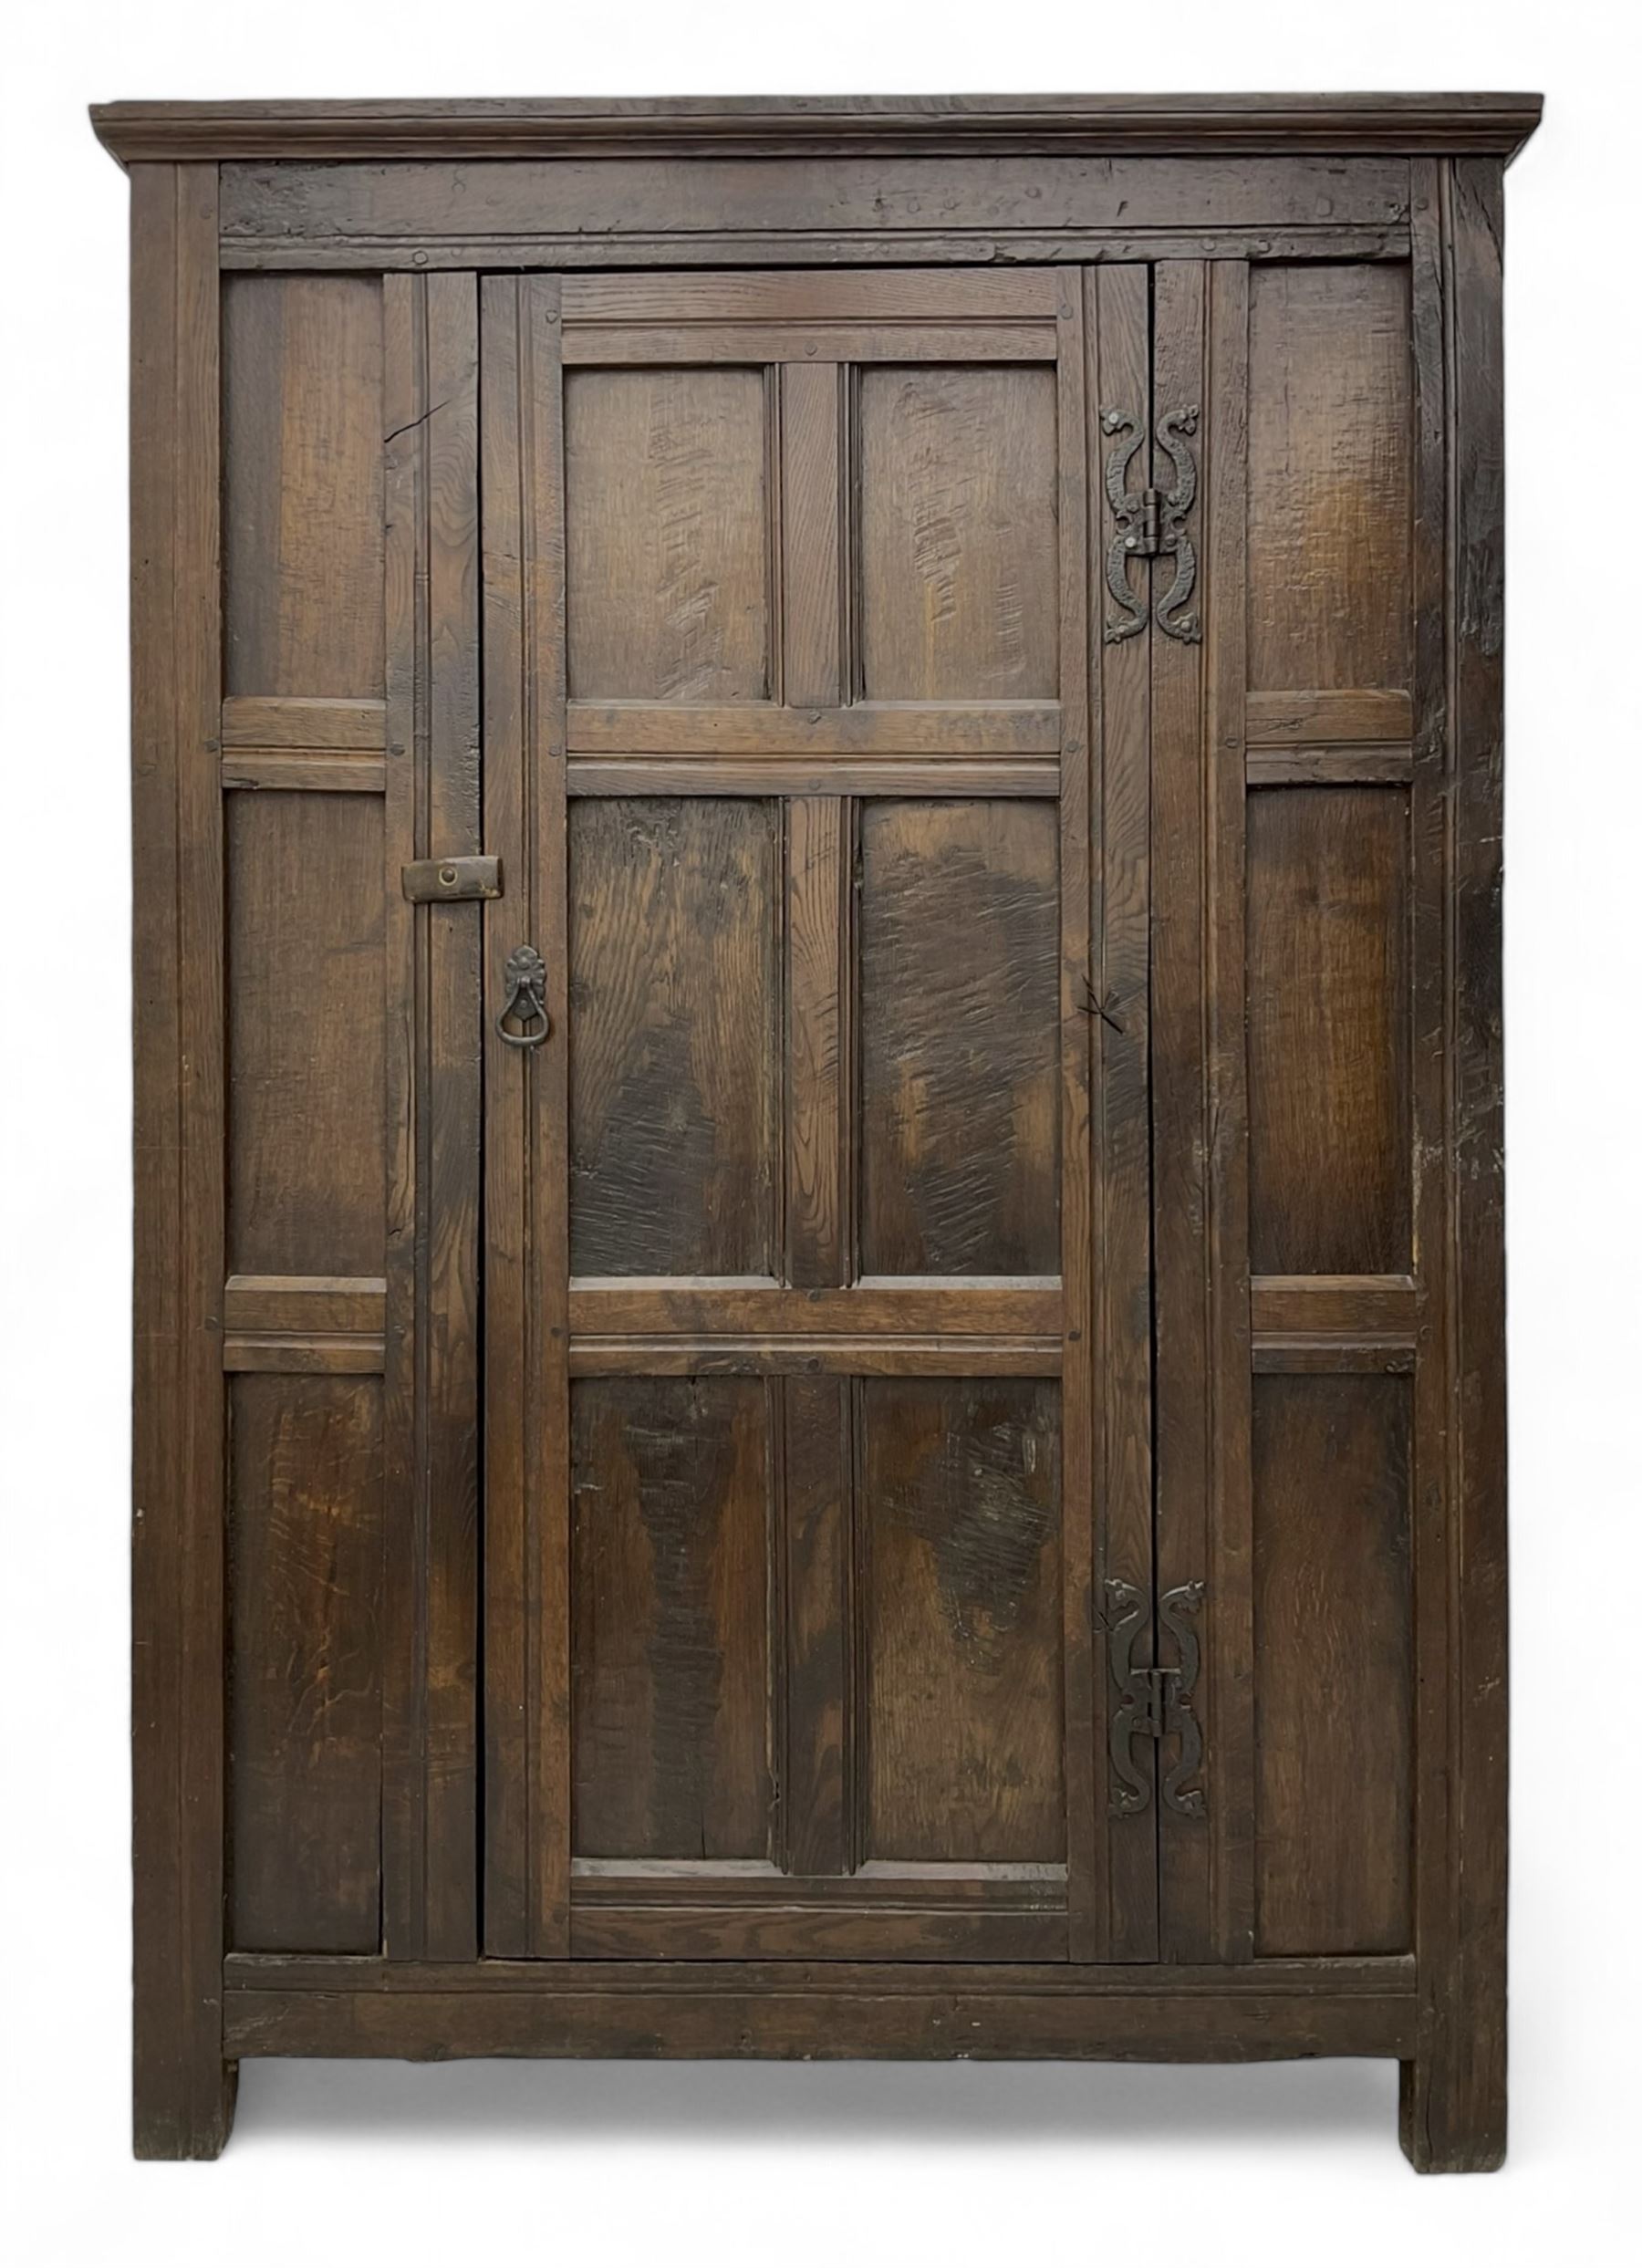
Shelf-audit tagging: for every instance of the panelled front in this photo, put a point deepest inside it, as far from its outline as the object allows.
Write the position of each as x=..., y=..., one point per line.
x=811, y=843
x=1285, y=1107
x=882, y=1003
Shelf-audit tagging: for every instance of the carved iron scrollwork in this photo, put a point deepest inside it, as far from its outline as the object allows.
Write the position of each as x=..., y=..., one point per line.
x=1154, y=1703
x=1178, y=1717
x=1129, y=511
x=1125, y=1607
x=1150, y=523
x=1173, y=540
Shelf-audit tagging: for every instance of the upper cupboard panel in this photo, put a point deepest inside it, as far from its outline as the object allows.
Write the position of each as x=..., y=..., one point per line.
x=1330, y=478
x=667, y=525
x=958, y=542
x=302, y=476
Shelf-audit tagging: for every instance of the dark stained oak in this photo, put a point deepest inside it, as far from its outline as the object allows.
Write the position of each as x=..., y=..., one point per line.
x=1333, y=1641
x=1329, y=1014
x=957, y=534
x=959, y=1133
x=961, y=1145
x=670, y=1485
x=305, y=1725
x=307, y=1164
x=675, y=996
x=302, y=486
x=959, y=1550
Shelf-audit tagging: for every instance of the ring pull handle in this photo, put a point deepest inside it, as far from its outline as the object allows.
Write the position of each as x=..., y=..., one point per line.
x=525, y=977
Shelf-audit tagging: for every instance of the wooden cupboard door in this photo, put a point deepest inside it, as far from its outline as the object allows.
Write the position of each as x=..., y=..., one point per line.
x=1294, y=792
x=791, y=1325
x=349, y=748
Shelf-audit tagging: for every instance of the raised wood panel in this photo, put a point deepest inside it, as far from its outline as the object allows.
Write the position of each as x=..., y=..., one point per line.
x=1333, y=1664
x=302, y=486
x=958, y=555
x=1330, y=476
x=670, y=1493
x=307, y=1162
x=305, y=1543
x=1329, y=1034
x=958, y=1543
x=957, y=1008
x=675, y=1005
x=667, y=528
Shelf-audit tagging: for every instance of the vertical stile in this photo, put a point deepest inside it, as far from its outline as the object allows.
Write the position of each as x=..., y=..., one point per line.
x=1453, y=2093
x=183, y=2093
x=1228, y=1690
x=527, y=1477
x=430, y=1440
x=1200, y=1146
x=1118, y=356
x=1432, y=818
x=1079, y=1478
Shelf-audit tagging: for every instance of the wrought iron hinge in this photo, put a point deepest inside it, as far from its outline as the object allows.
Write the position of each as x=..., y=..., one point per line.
x=1151, y=525
x=1154, y=1700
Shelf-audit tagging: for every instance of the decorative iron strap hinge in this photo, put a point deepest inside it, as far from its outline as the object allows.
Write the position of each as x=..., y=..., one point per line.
x=1151, y=525
x=1154, y=1701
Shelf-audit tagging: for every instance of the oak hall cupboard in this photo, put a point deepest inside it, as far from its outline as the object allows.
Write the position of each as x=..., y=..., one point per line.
x=819, y=1359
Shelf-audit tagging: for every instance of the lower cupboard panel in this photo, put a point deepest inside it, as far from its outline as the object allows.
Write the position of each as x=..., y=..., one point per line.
x=304, y=1722
x=1333, y=1664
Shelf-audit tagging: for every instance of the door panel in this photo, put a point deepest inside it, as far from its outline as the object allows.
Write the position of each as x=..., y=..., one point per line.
x=958, y=552
x=667, y=525
x=959, y=1521
x=671, y=1492
x=960, y=1060
x=675, y=1036
x=816, y=826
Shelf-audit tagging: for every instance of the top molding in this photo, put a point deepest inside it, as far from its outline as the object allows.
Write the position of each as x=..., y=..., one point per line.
x=1465, y=125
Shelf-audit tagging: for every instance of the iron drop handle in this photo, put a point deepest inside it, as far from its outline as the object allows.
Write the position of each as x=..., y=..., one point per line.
x=525, y=977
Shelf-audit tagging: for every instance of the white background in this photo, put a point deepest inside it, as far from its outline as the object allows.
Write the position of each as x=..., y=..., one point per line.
x=867, y=2164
